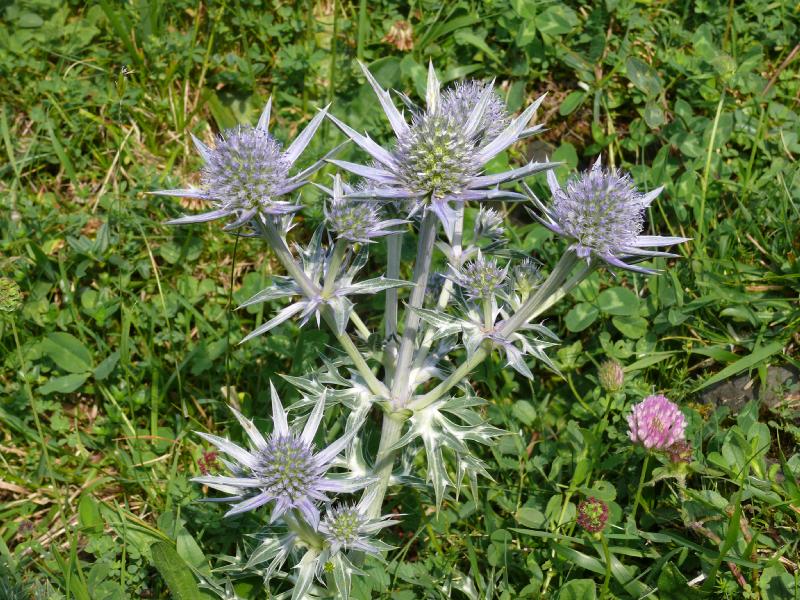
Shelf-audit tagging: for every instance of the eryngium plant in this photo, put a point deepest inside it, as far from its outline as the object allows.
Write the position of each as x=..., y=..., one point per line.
x=416, y=376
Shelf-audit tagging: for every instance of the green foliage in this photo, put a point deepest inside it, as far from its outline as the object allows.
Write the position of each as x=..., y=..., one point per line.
x=126, y=337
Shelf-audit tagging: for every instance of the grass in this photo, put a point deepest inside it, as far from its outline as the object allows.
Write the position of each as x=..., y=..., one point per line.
x=125, y=341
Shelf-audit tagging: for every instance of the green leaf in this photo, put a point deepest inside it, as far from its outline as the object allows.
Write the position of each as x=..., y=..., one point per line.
x=618, y=301
x=758, y=355
x=63, y=385
x=578, y=589
x=174, y=571
x=581, y=316
x=89, y=514
x=105, y=368
x=672, y=584
x=571, y=103
x=556, y=20
x=643, y=76
x=524, y=411
x=631, y=327
x=67, y=352
x=530, y=517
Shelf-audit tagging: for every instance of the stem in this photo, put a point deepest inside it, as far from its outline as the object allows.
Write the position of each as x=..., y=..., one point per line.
x=394, y=247
x=534, y=306
x=34, y=409
x=427, y=237
x=607, y=554
x=707, y=170
x=444, y=295
x=384, y=461
x=488, y=320
x=638, y=498
x=310, y=290
x=337, y=257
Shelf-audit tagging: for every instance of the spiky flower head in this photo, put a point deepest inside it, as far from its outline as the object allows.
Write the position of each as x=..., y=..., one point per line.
x=656, y=423
x=603, y=213
x=611, y=376
x=592, y=515
x=356, y=220
x=481, y=279
x=246, y=173
x=349, y=527
x=525, y=277
x=283, y=468
x=10, y=295
x=460, y=99
x=488, y=224
x=439, y=156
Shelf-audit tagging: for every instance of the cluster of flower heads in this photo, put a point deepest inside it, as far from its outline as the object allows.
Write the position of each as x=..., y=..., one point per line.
x=285, y=470
x=438, y=157
x=592, y=515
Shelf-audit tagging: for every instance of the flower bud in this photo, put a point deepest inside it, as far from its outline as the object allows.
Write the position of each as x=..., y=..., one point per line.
x=592, y=515
x=611, y=375
x=10, y=295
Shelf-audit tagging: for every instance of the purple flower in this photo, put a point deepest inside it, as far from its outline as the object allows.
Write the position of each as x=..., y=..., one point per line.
x=480, y=279
x=592, y=515
x=349, y=527
x=439, y=157
x=356, y=220
x=603, y=213
x=246, y=173
x=656, y=423
x=282, y=468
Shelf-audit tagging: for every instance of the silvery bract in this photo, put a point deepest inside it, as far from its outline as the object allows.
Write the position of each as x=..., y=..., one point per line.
x=439, y=157
x=603, y=213
x=282, y=468
x=246, y=173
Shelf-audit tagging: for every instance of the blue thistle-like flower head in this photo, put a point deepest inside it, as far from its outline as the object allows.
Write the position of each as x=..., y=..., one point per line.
x=283, y=468
x=246, y=173
x=461, y=99
x=603, y=213
x=349, y=527
x=355, y=220
x=481, y=279
x=439, y=157
x=488, y=224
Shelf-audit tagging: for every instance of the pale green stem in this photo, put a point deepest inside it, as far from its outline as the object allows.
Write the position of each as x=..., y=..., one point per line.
x=394, y=247
x=444, y=294
x=638, y=498
x=339, y=250
x=363, y=330
x=554, y=284
x=297, y=524
x=384, y=461
x=311, y=290
x=488, y=320
x=427, y=237
x=607, y=555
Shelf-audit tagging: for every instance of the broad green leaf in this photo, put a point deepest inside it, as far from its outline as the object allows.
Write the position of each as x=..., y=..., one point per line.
x=581, y=316
x=67, y=352
x=556, y=20
x=176, y=573
x=571, y=103
x=524, y=411
x=89, y=513
x=578, y=589
x=63, y=385
x=618, y=301
x=632, y=327
x=530, y=517
x=643, y=76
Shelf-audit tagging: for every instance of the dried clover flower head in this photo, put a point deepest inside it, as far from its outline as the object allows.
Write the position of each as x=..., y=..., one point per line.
x=656, y=423
x=401, y=36
x=10, y=295
x=592, y=515
x=611, y=375
x=680, y=452
x=603, y=213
